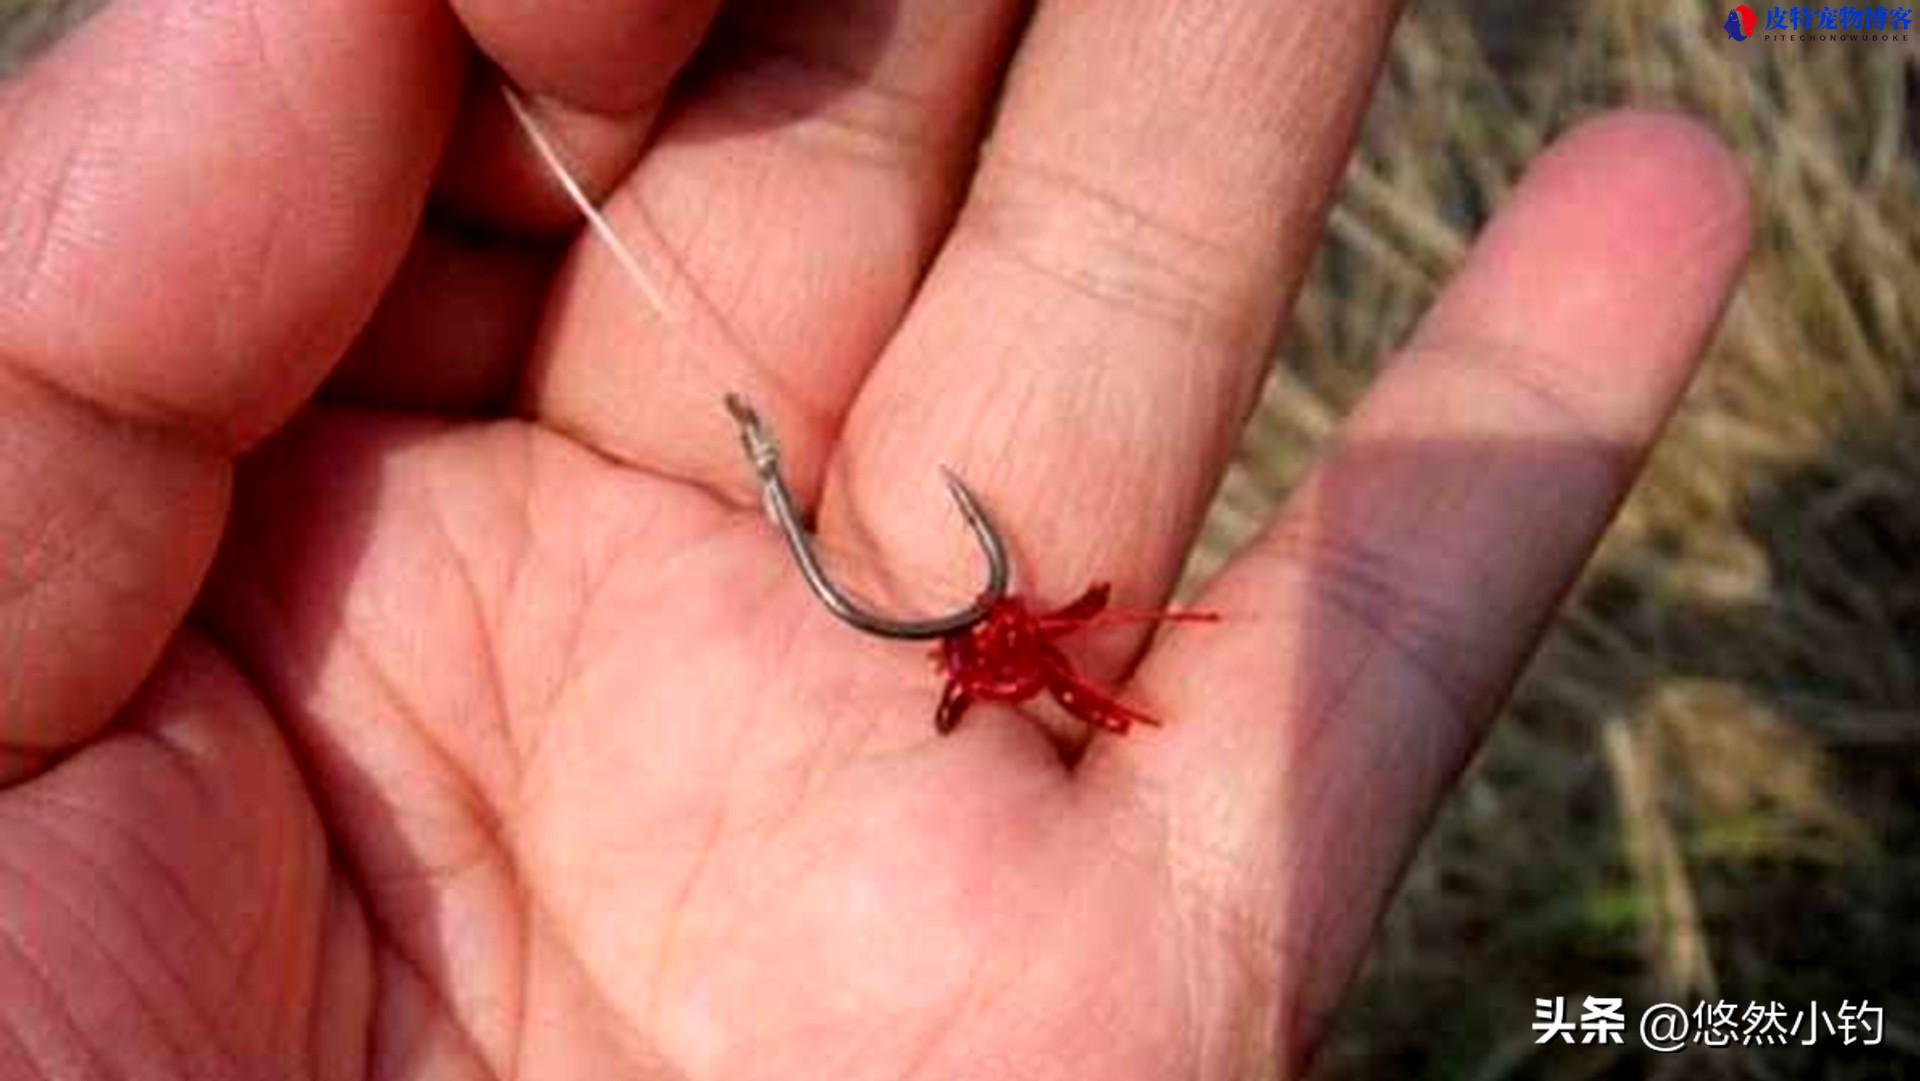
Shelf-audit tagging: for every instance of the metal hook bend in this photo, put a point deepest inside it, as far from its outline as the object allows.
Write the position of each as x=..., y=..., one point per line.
x=765, y=456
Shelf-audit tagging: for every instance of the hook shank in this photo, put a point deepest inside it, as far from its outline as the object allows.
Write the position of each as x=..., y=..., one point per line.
x=764, y=454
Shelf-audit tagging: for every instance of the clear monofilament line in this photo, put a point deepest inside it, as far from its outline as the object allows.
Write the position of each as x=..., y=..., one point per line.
x=550, y=156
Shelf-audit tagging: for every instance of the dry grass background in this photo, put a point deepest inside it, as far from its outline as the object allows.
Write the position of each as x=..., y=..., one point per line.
x=1701, y=789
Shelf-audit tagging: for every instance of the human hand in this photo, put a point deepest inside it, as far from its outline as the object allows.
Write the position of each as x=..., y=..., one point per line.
x=515, y=748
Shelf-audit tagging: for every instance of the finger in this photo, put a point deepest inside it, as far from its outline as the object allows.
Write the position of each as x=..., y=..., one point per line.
x=1093, y=330
x=594, y=73
x=600, y=56
x=1372, y=630
x=198, y=214
x=786, y=210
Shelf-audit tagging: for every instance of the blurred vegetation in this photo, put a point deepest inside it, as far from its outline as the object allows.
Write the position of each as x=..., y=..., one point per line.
x=1702, y=789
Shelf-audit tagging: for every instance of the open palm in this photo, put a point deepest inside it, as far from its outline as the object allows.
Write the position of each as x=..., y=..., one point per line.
x=391, y=737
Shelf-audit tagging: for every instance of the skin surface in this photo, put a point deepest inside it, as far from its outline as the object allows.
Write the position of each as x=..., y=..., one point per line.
x=468, y=721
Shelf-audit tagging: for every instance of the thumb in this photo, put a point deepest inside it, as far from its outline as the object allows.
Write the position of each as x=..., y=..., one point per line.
x=198, y=207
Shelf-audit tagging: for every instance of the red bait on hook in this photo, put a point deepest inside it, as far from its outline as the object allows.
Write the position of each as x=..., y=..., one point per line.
x=1010, y=656
x=996, y=649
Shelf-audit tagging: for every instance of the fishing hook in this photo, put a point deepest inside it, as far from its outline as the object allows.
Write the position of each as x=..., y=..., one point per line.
x=765, y=456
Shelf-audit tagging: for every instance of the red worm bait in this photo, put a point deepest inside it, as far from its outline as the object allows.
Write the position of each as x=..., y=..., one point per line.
x=1011, y=656
x=997, y=649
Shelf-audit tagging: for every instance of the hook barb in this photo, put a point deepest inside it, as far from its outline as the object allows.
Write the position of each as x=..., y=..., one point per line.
x=764, y=454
